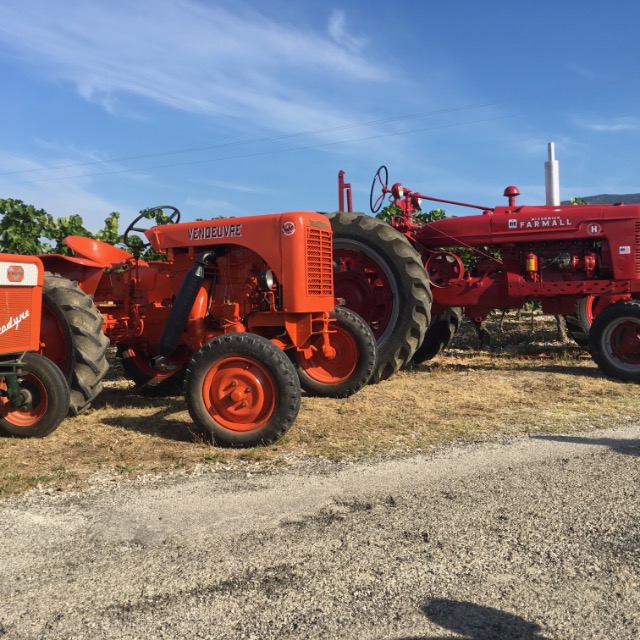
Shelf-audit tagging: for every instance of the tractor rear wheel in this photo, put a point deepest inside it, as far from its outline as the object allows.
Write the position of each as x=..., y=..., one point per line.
x=439, y=334
x=136, y=364
x=242, y=391
x=380, y=276
x=350, y=367
x=45, y=395
x=614, y=340
x=71, y=336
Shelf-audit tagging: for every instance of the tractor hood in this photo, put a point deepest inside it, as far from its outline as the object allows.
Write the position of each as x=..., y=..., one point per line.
x=506, y=225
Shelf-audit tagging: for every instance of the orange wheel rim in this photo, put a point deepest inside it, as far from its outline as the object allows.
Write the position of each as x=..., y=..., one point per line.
x=332, y=370
x=39, y=403
x=239, y=394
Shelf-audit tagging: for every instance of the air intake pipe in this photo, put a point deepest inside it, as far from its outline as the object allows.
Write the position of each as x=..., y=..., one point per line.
x=182, y=307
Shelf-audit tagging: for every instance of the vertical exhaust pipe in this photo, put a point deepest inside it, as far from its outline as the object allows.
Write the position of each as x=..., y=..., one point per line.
x=552, y=177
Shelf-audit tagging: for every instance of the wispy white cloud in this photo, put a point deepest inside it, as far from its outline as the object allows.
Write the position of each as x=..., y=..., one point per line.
x=339, y=33
x=197, y=57
x=615, y=125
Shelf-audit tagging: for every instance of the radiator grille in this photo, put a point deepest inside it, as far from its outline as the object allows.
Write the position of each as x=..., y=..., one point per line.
x=15, y=328
x=319, y=262
x=637, y=247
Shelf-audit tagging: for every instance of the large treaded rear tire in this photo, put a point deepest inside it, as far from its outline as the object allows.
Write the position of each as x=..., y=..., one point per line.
x=393, y=269
x=441, y=331
x=73, y=338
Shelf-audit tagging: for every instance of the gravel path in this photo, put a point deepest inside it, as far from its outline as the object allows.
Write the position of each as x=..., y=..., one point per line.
x=529, y=538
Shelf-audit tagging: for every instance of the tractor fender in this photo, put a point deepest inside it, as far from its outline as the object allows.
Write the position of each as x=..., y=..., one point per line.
x=87, y=273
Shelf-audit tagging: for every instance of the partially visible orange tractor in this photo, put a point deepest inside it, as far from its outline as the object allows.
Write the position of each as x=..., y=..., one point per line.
x=242, y=309
x=34, y=396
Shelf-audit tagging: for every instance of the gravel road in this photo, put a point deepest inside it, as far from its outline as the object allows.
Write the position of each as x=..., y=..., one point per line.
x=526, y=538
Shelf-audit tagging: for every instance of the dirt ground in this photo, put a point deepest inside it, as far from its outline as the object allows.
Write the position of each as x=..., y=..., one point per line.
x=527, y=382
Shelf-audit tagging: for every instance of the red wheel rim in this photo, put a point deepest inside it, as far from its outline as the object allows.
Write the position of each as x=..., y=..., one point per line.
x=239, y=394
x=444, y=269
x=332, y=370
x=622, y=340
x=39, y=402
x=367, y=288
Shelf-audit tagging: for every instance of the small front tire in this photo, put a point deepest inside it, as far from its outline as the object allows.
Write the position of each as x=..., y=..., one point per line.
x=441, y=331
x=242, y=391
x=46, y=391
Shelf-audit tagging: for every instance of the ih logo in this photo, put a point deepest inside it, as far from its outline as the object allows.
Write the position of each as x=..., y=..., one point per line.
x=15, y=273
x=594, y=229
x=513, y=224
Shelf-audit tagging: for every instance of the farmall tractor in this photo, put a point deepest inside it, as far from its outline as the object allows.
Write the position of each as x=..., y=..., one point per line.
x=242, y=309
x=34, y=396
x=582, y=262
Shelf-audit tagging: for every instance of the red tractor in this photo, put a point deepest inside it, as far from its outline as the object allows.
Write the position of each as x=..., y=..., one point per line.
x=242, y=309
x=34, y=396
x=579, y=261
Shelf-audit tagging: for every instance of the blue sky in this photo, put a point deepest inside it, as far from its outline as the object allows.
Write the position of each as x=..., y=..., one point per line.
x=237, y=108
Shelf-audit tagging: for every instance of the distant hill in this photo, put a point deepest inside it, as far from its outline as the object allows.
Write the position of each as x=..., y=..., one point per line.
x=608, y=198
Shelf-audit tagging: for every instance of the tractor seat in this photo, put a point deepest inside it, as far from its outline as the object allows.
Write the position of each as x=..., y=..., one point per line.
x=106, y=255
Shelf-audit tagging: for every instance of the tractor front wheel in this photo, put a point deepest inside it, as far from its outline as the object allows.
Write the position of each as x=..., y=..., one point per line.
x=380, y=276
x=614, y=341
x=71, y=336
x=242, y=391
x=580, y=321
x=439, y=334
x=44, y=396
x=350, y=364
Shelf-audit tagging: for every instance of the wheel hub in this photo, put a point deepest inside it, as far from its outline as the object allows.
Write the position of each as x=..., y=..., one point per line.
x=238, y=394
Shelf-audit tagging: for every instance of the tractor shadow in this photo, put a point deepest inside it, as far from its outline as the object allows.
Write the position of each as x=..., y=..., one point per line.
x=476, y=622
x=545, y=367
x=502, y=364
x=133, y=406
x=624, y=446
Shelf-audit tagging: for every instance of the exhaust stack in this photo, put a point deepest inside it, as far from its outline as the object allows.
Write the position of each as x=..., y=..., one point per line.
x=552, y=177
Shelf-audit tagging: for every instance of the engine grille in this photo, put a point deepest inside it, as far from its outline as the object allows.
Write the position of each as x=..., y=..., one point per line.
x=319, y=262
x=15, y=328
x=637, y=247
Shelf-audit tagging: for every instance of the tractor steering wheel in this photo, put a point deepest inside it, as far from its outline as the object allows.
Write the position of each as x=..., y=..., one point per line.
x=172, y=219
x=377, y=205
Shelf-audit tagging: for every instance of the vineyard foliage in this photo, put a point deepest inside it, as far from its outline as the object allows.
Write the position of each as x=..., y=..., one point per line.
x=26, y=230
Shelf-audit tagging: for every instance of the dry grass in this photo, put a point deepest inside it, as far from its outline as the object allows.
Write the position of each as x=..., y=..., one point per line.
x=527, y=383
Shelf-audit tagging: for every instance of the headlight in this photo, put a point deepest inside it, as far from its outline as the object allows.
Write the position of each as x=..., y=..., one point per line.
x=397, y=191
x=266, y=280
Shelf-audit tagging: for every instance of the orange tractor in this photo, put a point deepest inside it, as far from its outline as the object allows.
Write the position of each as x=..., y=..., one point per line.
x=34, y=396
x=242, y=310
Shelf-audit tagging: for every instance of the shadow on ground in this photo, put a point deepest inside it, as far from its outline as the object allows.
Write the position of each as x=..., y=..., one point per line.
x=160, y=424
x=627, y=447
x=476, y=622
